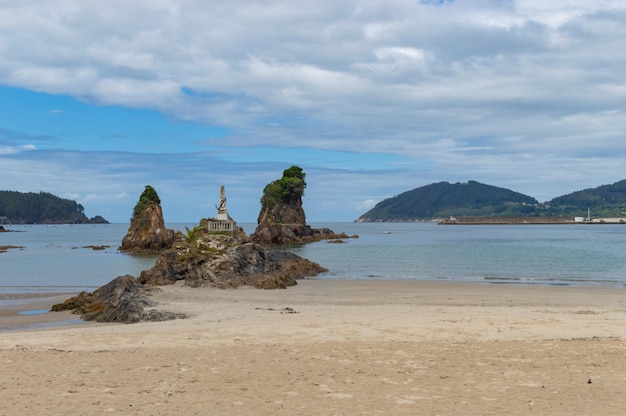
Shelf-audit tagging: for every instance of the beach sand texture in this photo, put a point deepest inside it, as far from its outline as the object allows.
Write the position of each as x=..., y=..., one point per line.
x=332, y=347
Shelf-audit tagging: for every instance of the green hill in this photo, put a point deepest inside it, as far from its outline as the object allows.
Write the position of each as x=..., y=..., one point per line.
x=603, y=201
x=42, y=208
x=444, y=199
x=473, y=199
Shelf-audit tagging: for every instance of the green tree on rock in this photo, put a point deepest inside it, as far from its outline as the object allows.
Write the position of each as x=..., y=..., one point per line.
x=287, y=189
x=148, y=197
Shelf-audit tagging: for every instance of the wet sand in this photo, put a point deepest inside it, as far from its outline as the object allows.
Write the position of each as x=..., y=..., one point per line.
x=329, y=347
x=19, y=312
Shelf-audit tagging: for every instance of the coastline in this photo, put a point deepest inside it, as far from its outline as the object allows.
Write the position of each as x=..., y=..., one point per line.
x=529, y=221
x=333, y=347
x=31, y=311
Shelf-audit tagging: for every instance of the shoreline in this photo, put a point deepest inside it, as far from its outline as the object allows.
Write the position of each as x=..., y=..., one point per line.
x=31, y=311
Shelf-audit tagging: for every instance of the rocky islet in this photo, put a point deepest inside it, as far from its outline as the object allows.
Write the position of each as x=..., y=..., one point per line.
x=226, y=258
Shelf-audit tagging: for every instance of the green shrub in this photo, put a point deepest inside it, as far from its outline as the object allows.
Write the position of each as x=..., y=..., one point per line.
x=148, y=197
x=192, y=235
x=286, y=189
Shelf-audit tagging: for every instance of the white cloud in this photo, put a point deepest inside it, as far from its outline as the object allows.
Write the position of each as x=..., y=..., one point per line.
x=137, y=93
x=8, y=150
x=367, y=205
x=501, y=90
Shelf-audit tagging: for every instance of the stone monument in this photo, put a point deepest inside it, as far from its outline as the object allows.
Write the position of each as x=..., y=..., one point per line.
x=222, y=222
x=222, y=213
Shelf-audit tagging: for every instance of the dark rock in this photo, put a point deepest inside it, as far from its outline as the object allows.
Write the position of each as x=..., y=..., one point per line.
x=290, y=268
x=79, y=304
x=285, y=234
x=3, y=249
x=281, y=255
x=121, y=300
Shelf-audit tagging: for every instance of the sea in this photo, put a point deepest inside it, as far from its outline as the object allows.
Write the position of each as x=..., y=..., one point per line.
x=72, y=258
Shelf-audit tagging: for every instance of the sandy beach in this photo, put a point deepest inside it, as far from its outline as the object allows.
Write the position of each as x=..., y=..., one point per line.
x=329, y=347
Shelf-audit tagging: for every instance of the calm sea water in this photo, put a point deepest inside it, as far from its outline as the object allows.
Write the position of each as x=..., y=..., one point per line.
x=529, y=254
x=58, y=259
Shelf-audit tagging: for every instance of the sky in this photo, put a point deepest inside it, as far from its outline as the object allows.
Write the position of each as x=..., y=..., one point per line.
x=371, y=98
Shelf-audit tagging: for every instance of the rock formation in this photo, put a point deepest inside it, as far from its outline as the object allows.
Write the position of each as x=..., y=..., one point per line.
x=201, y=258
x=282, y=219
x=214, y=253
x=147, y=232
x=226, y=260
x=123, y=299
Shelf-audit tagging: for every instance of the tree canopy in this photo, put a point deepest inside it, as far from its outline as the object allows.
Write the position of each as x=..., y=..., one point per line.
x=287, y=189
x=148, y=197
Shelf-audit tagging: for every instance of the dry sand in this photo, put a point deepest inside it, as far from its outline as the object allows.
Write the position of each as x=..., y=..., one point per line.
x=349, y=348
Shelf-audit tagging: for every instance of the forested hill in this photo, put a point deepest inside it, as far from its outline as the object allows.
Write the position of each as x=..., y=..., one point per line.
x=473, y=199
x=443, y=199
x=603, y=201
x=42, y=208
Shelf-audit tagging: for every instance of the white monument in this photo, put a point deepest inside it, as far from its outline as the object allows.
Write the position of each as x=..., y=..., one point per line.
x=222, y=214
x=223, y=222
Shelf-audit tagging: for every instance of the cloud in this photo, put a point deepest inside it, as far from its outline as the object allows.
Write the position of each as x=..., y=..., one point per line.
x=529, y=93
x=367, y=205
x=7, y=150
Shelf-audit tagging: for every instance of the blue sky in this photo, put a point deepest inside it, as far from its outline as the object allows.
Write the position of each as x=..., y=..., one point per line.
x=370, y=98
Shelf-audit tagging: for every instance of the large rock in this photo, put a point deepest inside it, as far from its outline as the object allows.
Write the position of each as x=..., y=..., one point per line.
x=147, y=232
x=123, y=299
x=282, y=219
x=227, y=260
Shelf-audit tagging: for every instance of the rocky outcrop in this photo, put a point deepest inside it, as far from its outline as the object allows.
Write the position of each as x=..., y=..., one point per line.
x=201, y=258
x=281, y=234
x=282, y=219
x=147, y=232
x=3, y=249
x=222, y=257
x=123, y=299
x=226, y=260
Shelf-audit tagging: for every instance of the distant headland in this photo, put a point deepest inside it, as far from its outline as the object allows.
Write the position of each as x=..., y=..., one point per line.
x=42, y=208
x=476, y=203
